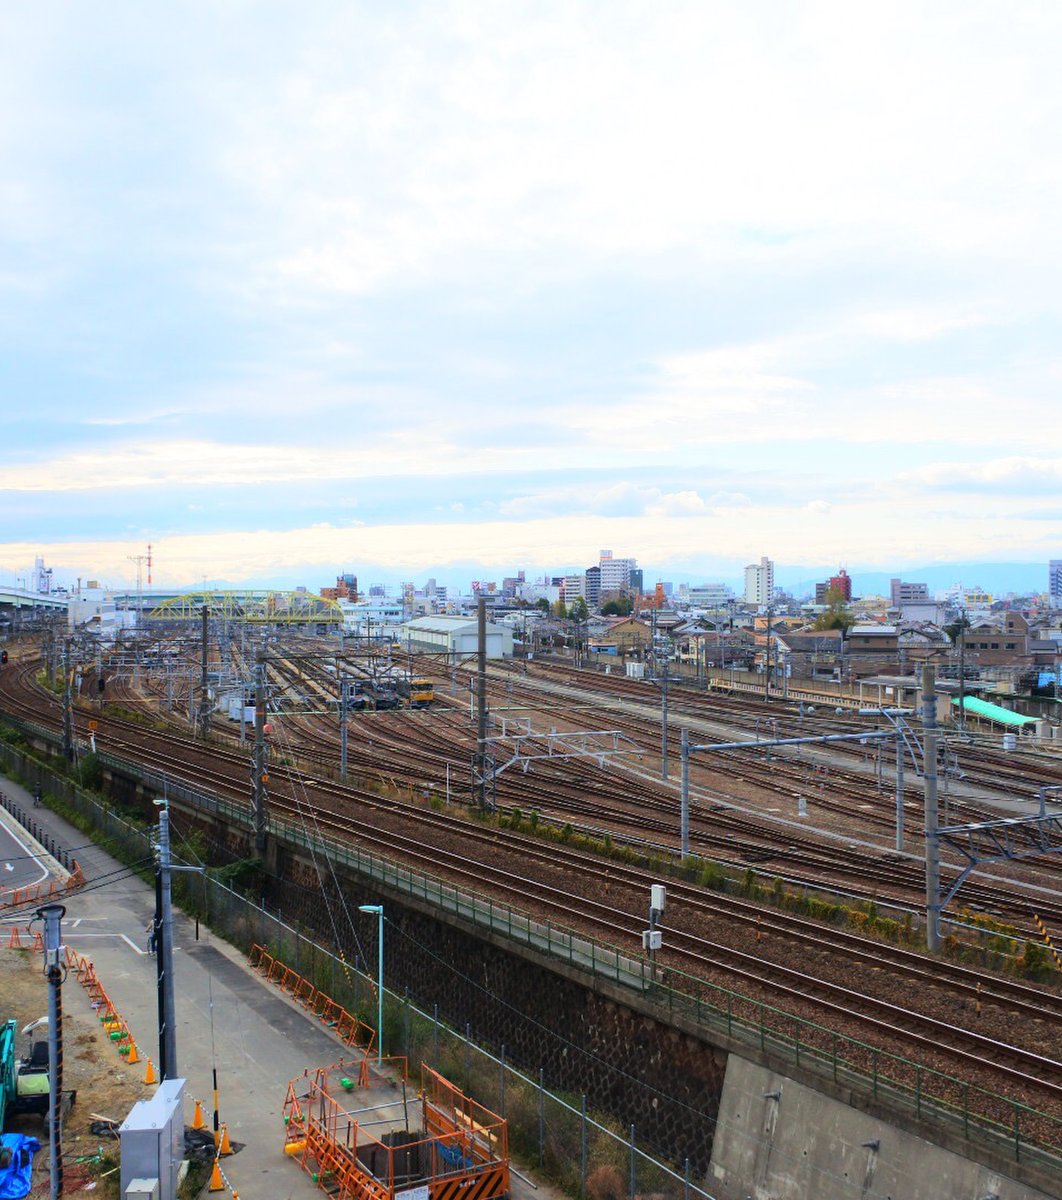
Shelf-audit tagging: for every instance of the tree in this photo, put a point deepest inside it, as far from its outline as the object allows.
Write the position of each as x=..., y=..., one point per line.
x=956, y=629
x=559, y=610
x=836, y=615
x=616, y=608
x=578, y=610
x=543, y=604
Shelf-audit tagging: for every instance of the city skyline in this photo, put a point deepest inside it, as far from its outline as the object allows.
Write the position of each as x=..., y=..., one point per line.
x=451, y=290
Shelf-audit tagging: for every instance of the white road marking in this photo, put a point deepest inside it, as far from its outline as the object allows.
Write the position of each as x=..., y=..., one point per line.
x=128, y=941
x=45, y=872
x=8, y=867
x=74, y=925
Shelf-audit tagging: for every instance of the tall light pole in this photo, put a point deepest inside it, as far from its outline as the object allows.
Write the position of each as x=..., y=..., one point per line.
x=378, y=910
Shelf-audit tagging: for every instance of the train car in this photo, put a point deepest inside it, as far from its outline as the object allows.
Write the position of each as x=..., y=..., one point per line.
x=421, y=693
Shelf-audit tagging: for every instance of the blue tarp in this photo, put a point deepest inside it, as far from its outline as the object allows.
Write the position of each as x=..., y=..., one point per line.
x=15, y=1178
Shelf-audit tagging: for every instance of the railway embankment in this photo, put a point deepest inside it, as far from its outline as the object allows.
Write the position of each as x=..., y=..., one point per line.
x=681, y=1065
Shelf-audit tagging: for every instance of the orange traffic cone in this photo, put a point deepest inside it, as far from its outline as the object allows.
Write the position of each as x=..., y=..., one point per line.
x=197, y=1119
x=149, y=1073
x=217, y=1184
x=133, y=1056
x=14, y=942
x=226, y=1146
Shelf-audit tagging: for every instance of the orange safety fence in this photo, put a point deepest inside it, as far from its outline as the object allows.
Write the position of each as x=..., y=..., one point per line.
x=36, y=893
x=461, y=1151
x=348, y=1028
x=113, y=1023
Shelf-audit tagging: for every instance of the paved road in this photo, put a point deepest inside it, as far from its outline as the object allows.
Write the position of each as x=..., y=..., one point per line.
x=20, y=864
x=226, y=1014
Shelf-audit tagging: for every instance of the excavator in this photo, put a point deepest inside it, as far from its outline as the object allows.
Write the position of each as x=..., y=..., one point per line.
x=24, y=1082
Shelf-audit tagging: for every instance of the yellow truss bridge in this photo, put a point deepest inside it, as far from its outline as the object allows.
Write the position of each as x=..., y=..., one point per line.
x=256, y=608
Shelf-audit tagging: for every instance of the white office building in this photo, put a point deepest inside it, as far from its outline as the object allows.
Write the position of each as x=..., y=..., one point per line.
x=708, y=595
x=1054, y=582
x=615, y=573
x=572, y=587
x=759, y=582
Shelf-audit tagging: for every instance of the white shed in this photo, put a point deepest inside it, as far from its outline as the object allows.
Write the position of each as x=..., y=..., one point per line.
x=456, y=635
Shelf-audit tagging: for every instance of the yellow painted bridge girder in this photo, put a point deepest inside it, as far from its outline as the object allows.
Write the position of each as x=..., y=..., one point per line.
x=270, y=607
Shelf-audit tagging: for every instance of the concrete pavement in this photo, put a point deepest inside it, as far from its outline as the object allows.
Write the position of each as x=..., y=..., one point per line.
x=227, y=1015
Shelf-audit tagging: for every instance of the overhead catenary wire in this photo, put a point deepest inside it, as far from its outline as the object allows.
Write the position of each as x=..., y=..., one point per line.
x=107, y=880
x=303, y=806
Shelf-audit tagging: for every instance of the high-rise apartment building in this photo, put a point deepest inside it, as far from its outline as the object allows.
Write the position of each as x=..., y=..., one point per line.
x=572, y=587
x=839, y=584
x=615, y=572
x=1054, y=582
x=759, y=582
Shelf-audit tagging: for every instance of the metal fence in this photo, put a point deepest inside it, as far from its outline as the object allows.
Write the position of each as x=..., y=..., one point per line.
x=953, y=1105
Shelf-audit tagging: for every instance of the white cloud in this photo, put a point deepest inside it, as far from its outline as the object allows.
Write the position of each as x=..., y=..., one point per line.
x=1018, y=476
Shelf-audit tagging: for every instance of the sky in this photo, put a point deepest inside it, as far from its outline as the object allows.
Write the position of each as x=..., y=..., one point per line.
x=451, y=289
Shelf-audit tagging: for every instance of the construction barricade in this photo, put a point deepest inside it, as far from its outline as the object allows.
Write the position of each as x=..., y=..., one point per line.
x=358, y=1146
x=344, y=1024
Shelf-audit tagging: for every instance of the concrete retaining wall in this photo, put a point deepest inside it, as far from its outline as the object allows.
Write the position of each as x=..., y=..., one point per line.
x=778, y=1140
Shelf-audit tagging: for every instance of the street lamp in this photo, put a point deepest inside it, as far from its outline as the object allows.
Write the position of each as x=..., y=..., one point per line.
x=378, y=910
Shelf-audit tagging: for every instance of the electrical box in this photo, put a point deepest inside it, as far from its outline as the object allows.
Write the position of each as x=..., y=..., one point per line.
x=657, y=896
x=152, y=1142
x=652, y=939
x=141, y=1189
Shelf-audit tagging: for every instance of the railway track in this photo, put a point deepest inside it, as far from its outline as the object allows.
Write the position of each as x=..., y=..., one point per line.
x=472, y=855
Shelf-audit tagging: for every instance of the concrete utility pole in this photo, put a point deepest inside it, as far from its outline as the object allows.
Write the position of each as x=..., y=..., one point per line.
x=929, y=778
x=684, y=817
x=204, y=694
x=481, y=702
x=899, y=791
x=52, y=915
x=962, y=669
x=767, y=663
x=164, y=953
x=260, y=760
x=663, y=717
x=344, y=682
x=68, y=706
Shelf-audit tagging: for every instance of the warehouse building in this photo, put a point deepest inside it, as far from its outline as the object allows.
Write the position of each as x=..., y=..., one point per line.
x=455, y=636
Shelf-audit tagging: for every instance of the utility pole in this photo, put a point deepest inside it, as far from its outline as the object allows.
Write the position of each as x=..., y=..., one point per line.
x=481, y=701
x=767, y=664
x=929, y=777
x=260, y=761
x=962, y=669
x=343, y=684
x=68, y=706
x=663, y=717
x=684, y=816
x=204, y=694
x=52, y=915
x=899, y=791
x=164, y=951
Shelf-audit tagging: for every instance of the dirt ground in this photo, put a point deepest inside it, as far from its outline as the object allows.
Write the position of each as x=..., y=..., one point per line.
x=105, y=1083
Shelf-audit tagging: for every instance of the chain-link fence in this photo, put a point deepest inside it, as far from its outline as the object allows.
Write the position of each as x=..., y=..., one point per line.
x=553, y=1134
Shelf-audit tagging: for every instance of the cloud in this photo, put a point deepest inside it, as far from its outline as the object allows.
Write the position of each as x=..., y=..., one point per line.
x=1017, y=476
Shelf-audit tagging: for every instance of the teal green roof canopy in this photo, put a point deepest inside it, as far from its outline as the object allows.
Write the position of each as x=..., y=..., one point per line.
x=992, y=712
